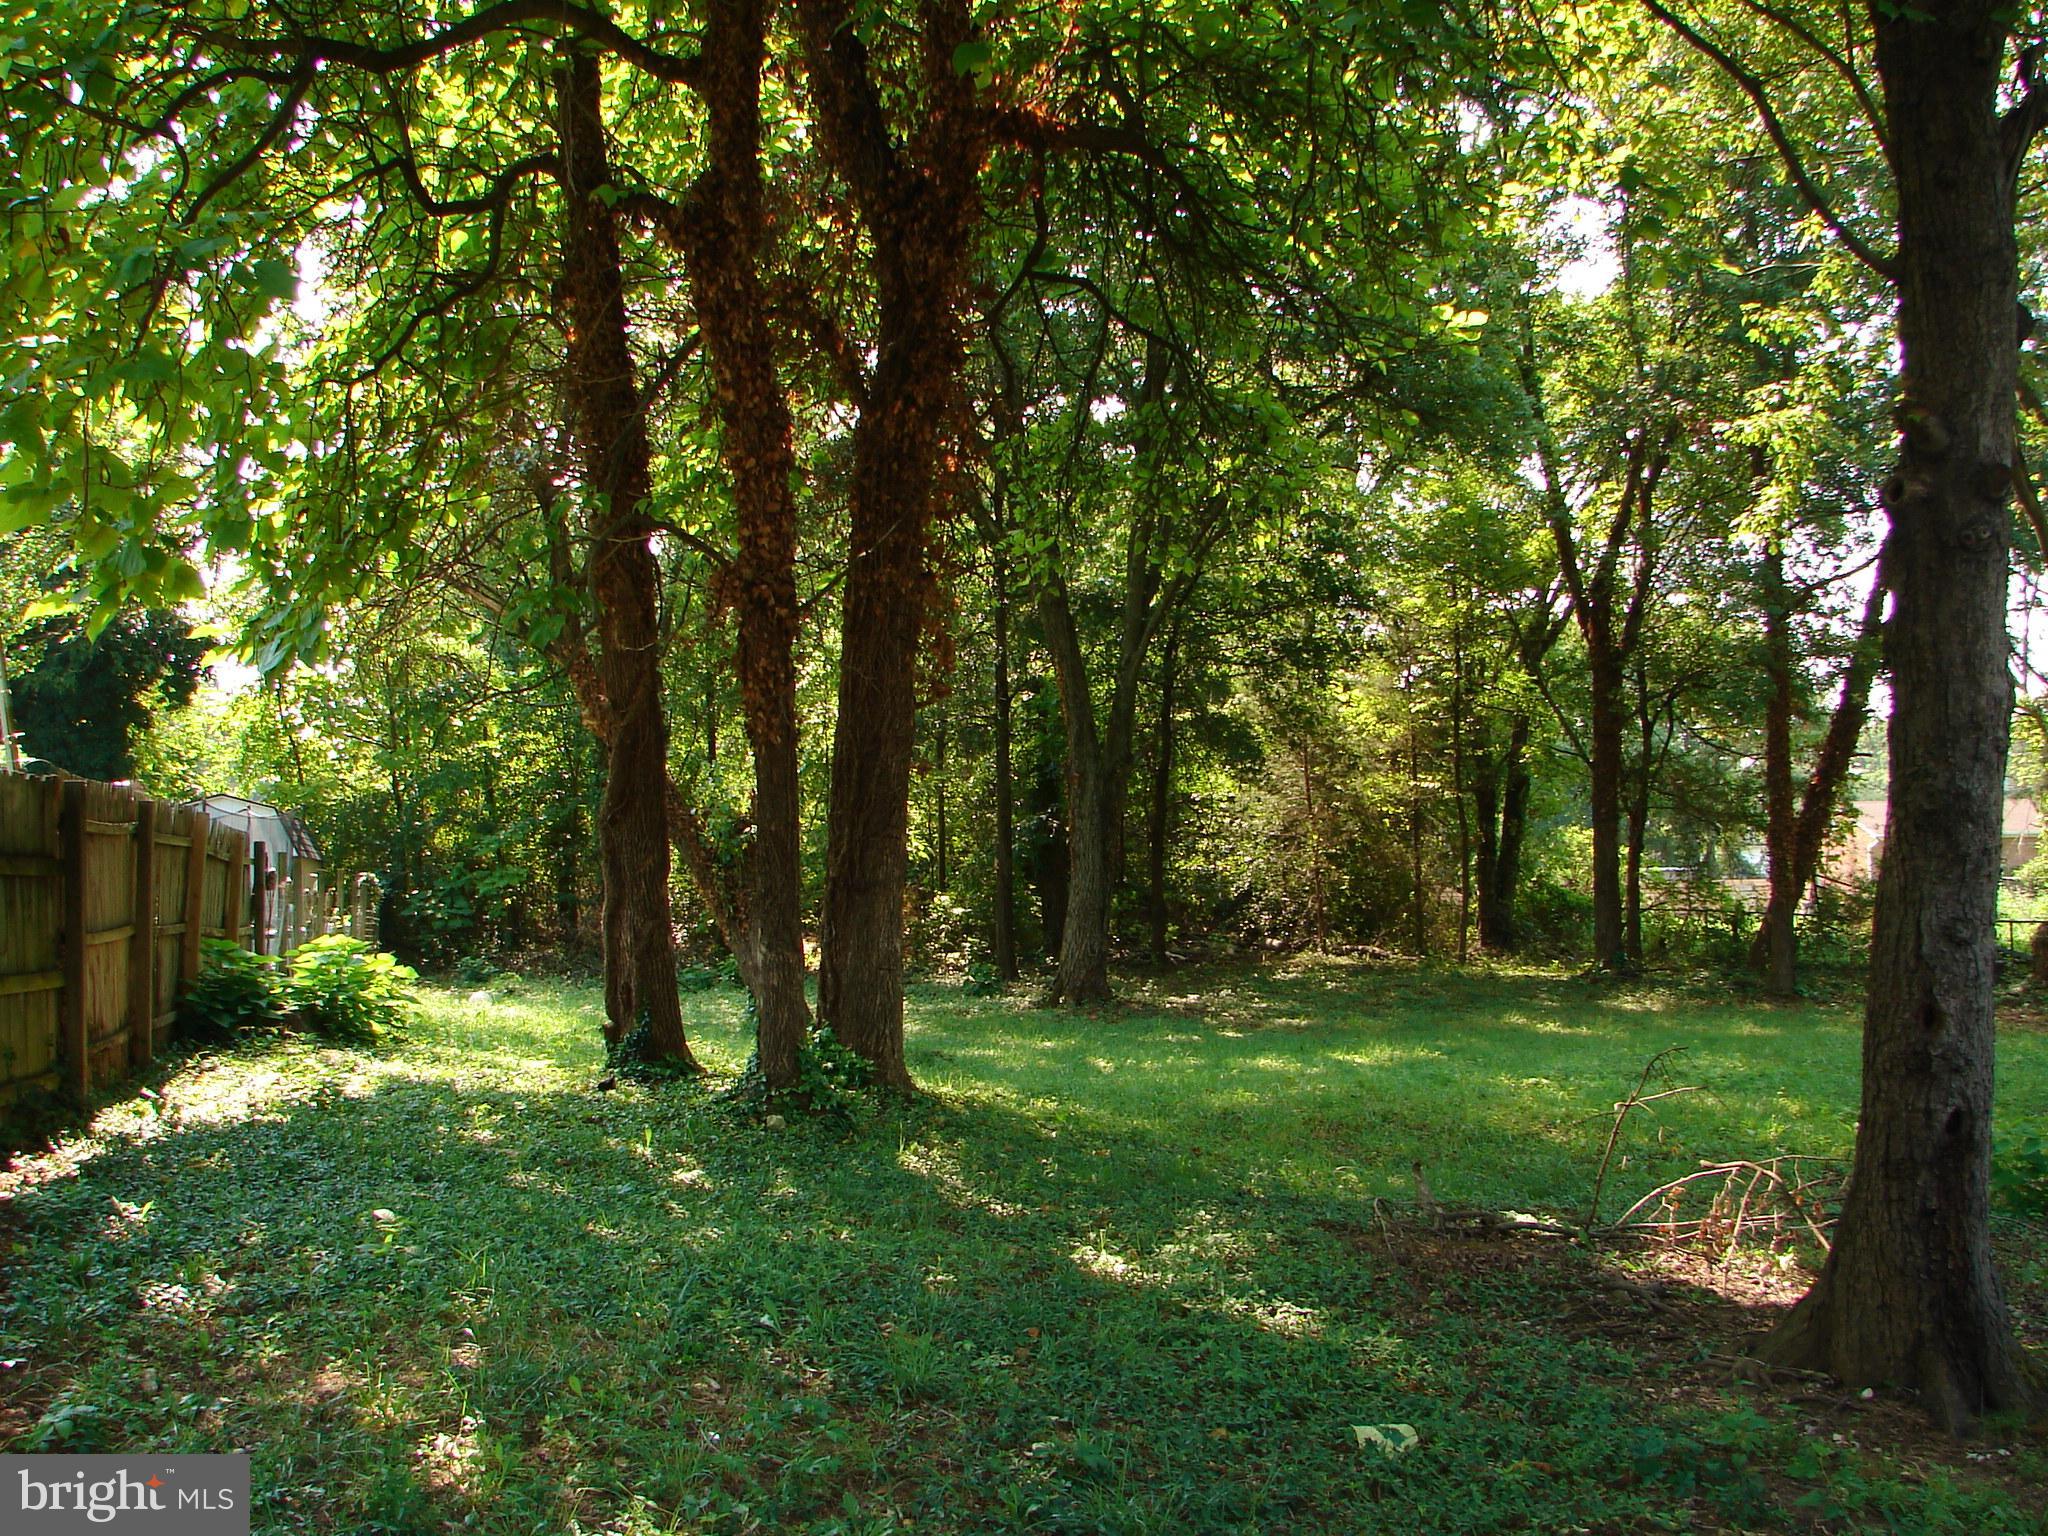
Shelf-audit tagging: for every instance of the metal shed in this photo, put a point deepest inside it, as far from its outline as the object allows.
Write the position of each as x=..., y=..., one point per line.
x=290, y=902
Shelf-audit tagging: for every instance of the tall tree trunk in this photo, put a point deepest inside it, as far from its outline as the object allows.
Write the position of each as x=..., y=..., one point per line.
x=1611, y=630
x=725, y=899
x=1536, y=632
x=1005, y=918
x=1504, y=828
x=1816, y=809
x=1097, y=764
x=1099, y=755
x=860, y=980
x=625, y=584
x=920, y=200
x=1909, y=1296
x=1610, y=933
x=1160, y=831
x=1083, y=973
x=1779, y=934
x=721, y=231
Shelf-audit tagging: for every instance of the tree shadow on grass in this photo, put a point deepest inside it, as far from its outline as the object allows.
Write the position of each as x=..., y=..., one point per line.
x=424, y=1291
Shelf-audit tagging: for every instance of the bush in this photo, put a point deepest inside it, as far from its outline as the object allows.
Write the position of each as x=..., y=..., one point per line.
x=829, y=1076
x=344, y=990
x=234, y=991
x=721, y=972
x=632, y=1055
x=2019, y=1176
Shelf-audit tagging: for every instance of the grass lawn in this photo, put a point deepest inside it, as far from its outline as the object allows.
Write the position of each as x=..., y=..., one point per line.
x=1111, y=1274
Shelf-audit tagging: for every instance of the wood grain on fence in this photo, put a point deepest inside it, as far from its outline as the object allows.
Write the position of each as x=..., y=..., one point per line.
x=105, y=896
x=31, y=927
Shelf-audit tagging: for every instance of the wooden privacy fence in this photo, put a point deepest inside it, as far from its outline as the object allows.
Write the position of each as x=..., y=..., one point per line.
x=105, y=895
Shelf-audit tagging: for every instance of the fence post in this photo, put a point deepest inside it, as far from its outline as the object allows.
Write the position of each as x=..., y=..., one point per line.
x=195, y=899
x=363, y=920
x=259, y=879
x=71, y=1012
x=238, y=886
x=142, y=948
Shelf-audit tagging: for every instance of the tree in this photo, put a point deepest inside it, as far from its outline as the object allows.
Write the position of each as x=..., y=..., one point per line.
x=87, y=696
x=1185, y=336
x=205, y=149
x=1609, y=605
x=1909, y=1295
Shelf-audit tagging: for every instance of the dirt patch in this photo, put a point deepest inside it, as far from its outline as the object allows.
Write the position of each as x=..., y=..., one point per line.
x=1693, y=1317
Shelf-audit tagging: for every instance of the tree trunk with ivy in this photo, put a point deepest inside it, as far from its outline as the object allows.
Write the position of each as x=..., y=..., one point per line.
x=918, y=194
x=606, y=419
x=722, y=231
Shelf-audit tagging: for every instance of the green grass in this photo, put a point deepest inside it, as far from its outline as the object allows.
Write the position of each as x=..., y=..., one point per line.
x=1113, y=1274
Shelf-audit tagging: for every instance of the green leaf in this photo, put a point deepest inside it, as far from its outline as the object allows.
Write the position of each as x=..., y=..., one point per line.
x=1392, y=1439
x=276, y=279
x=149, y=366
x=973, y=59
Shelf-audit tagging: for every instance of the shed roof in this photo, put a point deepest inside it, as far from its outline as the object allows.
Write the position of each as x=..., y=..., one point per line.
x=267, y=824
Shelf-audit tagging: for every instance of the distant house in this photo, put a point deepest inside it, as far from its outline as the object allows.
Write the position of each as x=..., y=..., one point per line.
x=1852, y=858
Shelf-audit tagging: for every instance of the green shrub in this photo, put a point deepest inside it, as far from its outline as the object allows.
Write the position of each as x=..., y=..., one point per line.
x=2019, y=1175
x=632, y=1055
x=829, y=1076
x=827, y=1070
x=234, y=991
x=344, y=990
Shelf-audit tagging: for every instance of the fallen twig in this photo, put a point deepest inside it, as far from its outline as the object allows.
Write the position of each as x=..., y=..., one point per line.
x=1635, y=1099
x=1777, y=1191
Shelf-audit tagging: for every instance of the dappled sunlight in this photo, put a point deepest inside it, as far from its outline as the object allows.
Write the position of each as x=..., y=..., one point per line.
x=1105, y=1264
x=454, y=1462
x=1369, y=1057
x=940, y=1165
x=1549, y=1026
x=1288, y=1319
x=453, y=1283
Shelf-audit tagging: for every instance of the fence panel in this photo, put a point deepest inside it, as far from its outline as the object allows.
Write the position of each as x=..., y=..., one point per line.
x=31, y=964
x=105, y=871
x=105, y=895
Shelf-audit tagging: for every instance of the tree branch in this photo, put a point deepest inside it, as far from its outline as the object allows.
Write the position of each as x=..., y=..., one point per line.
x=504, y=16
x=1774, y=128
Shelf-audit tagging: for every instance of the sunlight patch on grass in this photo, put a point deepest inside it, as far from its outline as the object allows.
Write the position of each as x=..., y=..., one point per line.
x=942, y=1168
x=1106, y=1264
x=1289, y=1319
x=1372, y=1056
x=1551, y=1026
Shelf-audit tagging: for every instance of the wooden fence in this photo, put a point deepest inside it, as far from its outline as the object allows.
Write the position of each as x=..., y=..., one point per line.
x=105, y=895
